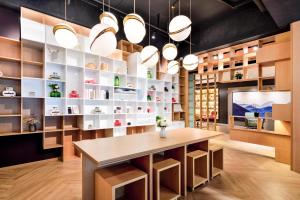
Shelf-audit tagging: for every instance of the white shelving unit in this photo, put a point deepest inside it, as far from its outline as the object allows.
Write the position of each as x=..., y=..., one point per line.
x=103, y=104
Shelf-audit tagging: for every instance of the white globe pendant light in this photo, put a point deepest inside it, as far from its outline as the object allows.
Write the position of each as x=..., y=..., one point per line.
x=190, y=62
x=149, y=56
x=64, y=34
x=173, y=67
x=103, y=40
x=169, y=51
x=180, y=28
x=134, y=28
x=109, y=19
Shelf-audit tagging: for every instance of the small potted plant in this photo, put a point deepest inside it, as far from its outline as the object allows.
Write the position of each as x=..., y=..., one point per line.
x=162, y=124
x=54, y=92
x=32, y=123
x=238, y=75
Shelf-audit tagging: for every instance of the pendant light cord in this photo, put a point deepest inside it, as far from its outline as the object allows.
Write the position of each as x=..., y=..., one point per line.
x=169, y=18
x=149, y=19
x=179, y=7
x=108, y=5
x=191, y=27
x=65, y=10
x=133, y=6
x=103, y=6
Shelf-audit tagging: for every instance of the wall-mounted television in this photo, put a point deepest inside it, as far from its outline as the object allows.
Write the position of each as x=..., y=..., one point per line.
x=257, y=102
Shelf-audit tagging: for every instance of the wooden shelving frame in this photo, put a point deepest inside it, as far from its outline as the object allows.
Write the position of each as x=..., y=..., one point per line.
x=27, y=65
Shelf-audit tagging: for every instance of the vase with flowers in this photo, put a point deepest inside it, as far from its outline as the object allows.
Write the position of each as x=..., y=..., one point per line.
x=32, y=123
x=162, y=124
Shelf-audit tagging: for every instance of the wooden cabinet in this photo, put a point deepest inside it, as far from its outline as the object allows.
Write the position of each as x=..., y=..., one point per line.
x=281, y=112
x=283, y=75
x=273, y=52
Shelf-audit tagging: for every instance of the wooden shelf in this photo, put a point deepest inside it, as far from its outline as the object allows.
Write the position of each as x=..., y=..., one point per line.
x=33, y=63
x=53, y=130
x=167, y=194
x=110, y=179
x=9, y=133
x=3, y=58
x=8, y=77
x=216, y=171
x=30, y=132
x=216, y=163
x=10, y=115
x=53, y=146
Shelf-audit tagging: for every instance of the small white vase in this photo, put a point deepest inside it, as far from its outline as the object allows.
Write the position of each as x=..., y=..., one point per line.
x=163, y=133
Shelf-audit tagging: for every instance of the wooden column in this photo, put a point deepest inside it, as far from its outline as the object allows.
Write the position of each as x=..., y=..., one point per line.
x=295, y=29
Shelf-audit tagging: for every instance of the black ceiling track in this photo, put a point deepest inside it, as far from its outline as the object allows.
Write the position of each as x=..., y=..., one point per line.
x=236, y=3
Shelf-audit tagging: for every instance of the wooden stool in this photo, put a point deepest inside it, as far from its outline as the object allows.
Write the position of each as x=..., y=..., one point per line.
x=122, y=180
x=197, y=168
x=166, y=179
x=216, y=160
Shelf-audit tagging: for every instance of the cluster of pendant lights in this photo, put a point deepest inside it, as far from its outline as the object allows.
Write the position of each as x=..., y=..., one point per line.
x=103, y=40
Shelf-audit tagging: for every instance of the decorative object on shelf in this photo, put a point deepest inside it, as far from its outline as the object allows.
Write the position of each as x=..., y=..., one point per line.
x=158, y=99
x=32, y=123
x=134, y=27
x=73, y=109
x=90, y=126
x=97, y=110
x=104, y=67
x=1, y=73
x=173, y=67
x=9, y=92
x=149, y=110
x=74, y=94
x=117, y=81
x=173, y=100
x=64, y=34
x=54, y=76
x=130, y=85
x=91, y=66
x=149, y=54
x=162, y=124
x=177, y=107
x=238, y=75
x=91, y=81
x=118, y=110
x=149, y=74
x=152, y=87
x=129, y=123
x=53, y=54
x=166, y=89
x=191, y=61
x=139, y=109
x=117, y=122
x=31, y=93
x=149, y=97
x=90, y=93
x=54, y=111
x=129, y=109
x=54, y=92
x=106, y=94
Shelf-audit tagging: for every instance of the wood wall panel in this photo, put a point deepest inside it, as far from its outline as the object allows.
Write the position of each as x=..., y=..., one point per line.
x=295, y=29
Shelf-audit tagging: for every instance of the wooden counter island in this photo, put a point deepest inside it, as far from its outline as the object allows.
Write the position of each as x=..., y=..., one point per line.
x=140, y=150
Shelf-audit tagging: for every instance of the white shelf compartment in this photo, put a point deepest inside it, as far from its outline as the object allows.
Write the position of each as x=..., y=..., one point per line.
x=33, y=87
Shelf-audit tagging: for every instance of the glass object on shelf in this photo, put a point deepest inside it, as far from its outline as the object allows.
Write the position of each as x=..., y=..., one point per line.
x=54, y=92
x=149, y=74
x=117, y=122
x=54, y=111
x=54, y=76
x=117, y=81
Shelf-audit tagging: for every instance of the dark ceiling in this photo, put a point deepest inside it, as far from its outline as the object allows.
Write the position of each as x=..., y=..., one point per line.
x=215, y=22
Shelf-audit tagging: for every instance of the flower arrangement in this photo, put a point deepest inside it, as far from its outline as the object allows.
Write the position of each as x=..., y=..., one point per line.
x=32, y=122
x=162, y=124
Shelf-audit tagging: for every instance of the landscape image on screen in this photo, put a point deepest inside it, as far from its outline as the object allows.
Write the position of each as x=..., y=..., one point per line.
x=260, y=102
